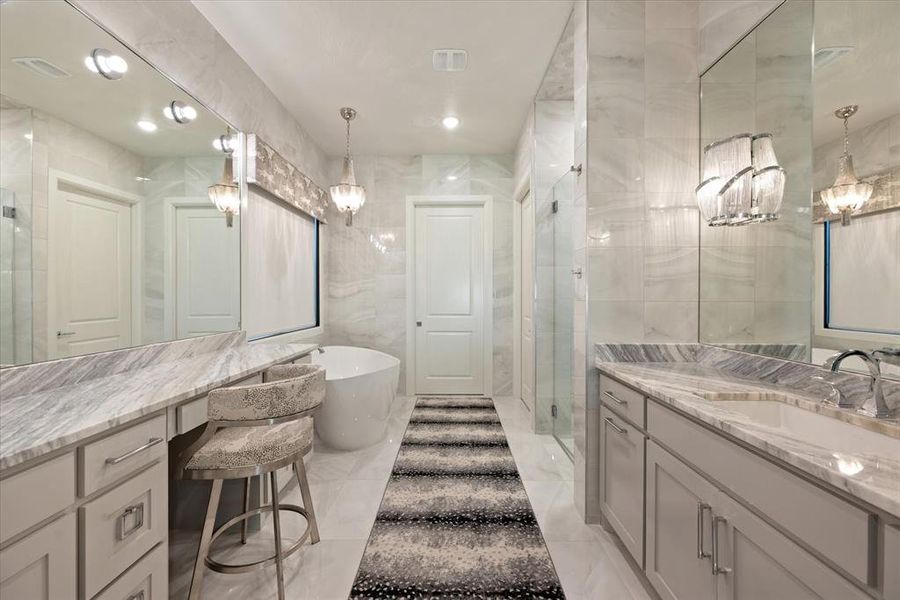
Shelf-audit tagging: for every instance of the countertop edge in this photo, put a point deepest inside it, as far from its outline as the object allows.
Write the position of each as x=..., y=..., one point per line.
x=56, y=445
x=766, y=447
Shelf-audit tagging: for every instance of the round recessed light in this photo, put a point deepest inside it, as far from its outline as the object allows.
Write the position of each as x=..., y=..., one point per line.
x=452, y=177
x=180, y=112
x=148, y=126
x=450, y=122
x=105, y=63
x=224, y=143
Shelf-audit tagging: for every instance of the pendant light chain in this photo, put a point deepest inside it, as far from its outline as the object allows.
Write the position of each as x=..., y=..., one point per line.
x=846, y=136
x=348, y=138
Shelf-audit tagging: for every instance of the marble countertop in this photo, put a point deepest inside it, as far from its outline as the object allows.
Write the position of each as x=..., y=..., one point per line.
x=32, y=425
x=686, y=386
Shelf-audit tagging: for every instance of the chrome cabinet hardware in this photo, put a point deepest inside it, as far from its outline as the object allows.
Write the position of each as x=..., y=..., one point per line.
x=716, y=567
x=137, y=596
x=614, y=426
x=614, y=399
x=60, y=334
x=153, y=441
x=701, y=508
x=137, y=512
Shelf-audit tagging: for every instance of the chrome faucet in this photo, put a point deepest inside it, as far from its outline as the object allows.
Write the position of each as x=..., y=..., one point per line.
x=880, y=409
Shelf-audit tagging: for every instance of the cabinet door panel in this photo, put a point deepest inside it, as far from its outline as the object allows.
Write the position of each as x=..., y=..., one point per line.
x=674, y=493
x=622, y=451
x=764, y=563
x=42, y=565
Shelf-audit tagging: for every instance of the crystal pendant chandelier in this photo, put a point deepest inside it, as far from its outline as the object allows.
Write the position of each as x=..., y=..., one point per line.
x=742, y=182
x=848, y=193
x=347, y=196
x=226, y=195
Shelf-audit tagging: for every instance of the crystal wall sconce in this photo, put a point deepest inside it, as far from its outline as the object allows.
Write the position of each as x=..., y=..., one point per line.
x=742, y=181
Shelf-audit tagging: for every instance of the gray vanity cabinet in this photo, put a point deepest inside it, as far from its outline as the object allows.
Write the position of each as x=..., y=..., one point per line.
x=43, y=565
x=679, y=515
x=622, y=489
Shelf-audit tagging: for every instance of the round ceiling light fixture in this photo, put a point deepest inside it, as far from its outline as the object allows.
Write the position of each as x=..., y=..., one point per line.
x=105, y=63
x=148, y=126
x=450, y=122
x=180, y=112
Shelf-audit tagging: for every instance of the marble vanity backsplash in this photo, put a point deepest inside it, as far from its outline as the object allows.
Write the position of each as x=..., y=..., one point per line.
x=802, y=377
x=40, y=377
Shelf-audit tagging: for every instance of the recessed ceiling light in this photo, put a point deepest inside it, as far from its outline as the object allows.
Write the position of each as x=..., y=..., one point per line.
x=180, y=112
x=450, y=122
x=829, y=54
x=449, y=59
x=139, y=178
x=225, y=144
x=105, y=63
x=148, y=126
x=452, y=178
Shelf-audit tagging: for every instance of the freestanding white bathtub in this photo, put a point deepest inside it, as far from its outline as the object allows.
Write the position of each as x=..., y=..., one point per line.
x=360, y=386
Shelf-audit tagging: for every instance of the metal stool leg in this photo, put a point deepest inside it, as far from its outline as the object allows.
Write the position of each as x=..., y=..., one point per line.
x=303, y=482
x=205, y=536
x=246, y=509
x=276, y=523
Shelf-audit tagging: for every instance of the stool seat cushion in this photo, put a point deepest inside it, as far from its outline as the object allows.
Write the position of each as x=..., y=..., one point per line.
x=243, y=447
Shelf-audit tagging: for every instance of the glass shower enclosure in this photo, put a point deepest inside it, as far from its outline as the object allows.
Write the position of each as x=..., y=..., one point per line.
x=554, y=309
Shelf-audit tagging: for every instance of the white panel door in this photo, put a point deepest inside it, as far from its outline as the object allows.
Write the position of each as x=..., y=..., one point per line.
x=90, y=267
x=528, y=303
x=450, y=300
x=207, y=272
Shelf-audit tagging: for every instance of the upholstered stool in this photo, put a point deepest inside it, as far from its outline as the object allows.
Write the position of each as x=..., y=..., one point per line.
x=256, y=430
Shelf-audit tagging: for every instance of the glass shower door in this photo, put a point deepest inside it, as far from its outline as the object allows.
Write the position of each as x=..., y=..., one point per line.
x=562, y=207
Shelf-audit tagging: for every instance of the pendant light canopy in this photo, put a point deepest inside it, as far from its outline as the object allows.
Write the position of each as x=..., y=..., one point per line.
x=347, y=196
x=226, y=195
x=848, y=193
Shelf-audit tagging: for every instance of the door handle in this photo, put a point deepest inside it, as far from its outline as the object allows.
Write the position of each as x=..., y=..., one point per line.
x=716, y=567
x=701, y=508
x=60, y=334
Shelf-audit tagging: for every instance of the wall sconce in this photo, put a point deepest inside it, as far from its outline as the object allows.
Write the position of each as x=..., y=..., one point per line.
x=848, y=193
x=226, y=195
x=742, y=181
x=347, y=196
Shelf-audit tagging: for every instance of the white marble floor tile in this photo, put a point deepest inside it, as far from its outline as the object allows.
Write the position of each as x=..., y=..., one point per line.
x=352, y=514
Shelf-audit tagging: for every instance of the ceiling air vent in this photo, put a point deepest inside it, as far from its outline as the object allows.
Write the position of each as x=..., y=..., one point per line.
x=449, y=59
x=42, y=67
x=830, y=54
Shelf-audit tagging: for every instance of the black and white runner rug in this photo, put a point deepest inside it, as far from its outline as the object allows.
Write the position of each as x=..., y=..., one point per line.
x=455, y=521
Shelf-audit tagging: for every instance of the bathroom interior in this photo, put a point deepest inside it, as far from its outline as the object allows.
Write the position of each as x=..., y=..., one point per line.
x=327, y=299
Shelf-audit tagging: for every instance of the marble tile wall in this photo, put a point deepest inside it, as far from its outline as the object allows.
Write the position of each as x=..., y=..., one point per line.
x=15, y=234
x=640, y=102
x=756, y=281
x=724, y=22
x=366, y=289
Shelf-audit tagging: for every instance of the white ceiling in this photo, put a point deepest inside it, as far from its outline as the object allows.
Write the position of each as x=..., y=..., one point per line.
x=61, y=35
x=317, y=56
x=869, y=76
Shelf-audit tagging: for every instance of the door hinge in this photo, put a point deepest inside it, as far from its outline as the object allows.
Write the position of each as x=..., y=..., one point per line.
x=554, y=207
x=553, y=411
x=9, y=212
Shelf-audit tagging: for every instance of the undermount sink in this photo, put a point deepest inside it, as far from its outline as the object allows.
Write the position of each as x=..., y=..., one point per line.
x=804, y=425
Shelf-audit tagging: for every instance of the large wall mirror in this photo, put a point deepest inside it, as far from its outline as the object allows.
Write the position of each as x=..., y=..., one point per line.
x=108, y=237
x=800, y=256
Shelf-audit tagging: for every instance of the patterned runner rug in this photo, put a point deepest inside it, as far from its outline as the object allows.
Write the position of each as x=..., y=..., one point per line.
x=455, y=521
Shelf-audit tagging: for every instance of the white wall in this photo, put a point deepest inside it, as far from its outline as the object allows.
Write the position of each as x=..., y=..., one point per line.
x=723, y=22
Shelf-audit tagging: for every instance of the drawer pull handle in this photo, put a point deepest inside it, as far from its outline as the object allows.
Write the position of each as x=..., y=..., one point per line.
x=138, y=511
x=614, y=399
x=716, y=567
x=137, y=596
x=616, y=427
x=701, y=508
x=130, y=453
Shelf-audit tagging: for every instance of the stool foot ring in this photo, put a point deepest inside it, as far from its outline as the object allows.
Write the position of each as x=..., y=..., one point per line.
x=265, y=562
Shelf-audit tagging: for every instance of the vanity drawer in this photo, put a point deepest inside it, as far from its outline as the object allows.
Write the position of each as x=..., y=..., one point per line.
x=838, y=530
x=109, y=459
x=121, y=526
x=33, y=495
x=190, y=415
x=623, y=400
x=622, y=477
x=150, y=577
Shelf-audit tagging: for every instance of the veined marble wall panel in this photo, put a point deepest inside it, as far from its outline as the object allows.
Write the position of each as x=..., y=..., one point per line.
x=367, y=261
